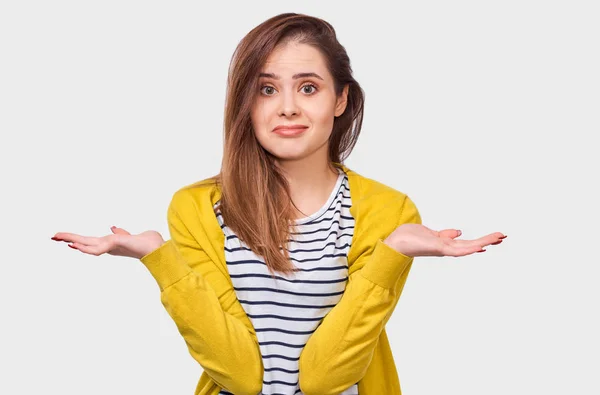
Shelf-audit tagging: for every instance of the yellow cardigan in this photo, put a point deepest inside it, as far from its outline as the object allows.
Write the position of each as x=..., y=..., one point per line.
x=349, y=346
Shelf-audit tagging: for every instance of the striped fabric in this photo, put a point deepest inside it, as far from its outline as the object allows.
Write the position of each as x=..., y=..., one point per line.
x=286, y=310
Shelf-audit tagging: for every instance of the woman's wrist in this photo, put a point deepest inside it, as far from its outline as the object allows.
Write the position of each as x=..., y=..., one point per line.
x=398, y=245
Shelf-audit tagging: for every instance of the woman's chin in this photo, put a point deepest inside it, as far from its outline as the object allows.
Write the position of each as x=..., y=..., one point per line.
x=291, y=155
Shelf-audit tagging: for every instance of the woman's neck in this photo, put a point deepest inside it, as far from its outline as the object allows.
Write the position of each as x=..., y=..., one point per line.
x=310, y=186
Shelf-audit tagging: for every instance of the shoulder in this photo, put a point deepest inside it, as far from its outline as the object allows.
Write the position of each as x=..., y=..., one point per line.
x=195, y=199
x=370, y=195
x=378, y=208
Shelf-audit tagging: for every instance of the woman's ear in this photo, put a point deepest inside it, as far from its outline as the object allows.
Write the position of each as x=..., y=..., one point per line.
x=342, y=101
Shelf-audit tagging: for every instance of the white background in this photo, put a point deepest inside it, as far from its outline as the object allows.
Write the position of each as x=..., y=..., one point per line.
x=485, y=113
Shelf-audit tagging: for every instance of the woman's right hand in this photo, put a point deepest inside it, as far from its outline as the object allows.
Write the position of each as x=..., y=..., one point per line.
x=120, y=243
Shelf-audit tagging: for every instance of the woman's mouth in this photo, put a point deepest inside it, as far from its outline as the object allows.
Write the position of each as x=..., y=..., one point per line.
x=292, y=130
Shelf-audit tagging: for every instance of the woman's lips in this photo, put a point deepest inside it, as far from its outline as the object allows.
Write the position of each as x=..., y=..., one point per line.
x=293, y=131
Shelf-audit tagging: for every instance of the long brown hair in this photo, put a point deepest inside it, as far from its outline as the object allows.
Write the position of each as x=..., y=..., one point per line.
x=255, y=197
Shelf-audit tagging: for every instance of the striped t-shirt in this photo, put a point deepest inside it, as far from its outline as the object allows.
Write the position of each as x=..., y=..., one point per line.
x=287, y=309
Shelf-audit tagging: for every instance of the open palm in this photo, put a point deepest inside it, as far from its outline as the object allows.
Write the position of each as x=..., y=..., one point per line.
x=120, y=243
x=418, y=240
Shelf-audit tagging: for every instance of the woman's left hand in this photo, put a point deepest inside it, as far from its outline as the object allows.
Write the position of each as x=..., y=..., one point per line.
x=418, y=240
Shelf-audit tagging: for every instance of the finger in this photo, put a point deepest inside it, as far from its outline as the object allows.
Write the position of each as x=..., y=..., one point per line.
x=72, y=237
x=466, y=247
x=92, y=250
x=457, y=251
x=457, y=243
x=493, y=238
x=119, y=231
x=449, y=233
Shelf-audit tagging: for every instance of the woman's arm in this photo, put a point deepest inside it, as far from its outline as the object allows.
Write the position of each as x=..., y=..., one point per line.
x=218, y=334
x=339, y=352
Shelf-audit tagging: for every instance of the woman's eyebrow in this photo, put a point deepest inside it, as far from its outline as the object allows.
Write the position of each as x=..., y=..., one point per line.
x=295, y=76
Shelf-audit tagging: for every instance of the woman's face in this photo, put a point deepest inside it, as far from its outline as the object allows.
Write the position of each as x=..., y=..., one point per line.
x=296, y=89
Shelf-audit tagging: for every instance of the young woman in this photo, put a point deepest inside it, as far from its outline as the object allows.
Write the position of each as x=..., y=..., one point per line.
x=282, y=270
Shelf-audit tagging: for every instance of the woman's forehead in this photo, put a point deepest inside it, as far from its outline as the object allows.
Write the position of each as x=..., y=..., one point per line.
x=294, y=58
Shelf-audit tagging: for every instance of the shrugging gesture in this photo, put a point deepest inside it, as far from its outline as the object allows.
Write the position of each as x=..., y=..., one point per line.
x=418, y=240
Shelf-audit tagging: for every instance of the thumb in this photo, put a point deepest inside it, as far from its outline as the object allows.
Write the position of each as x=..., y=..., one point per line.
x=450, y=233
x=119, y=231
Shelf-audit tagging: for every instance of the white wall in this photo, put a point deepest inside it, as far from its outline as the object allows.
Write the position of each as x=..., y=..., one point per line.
x=107, y=108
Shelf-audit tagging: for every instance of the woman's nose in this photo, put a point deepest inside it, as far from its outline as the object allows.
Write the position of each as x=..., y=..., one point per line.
x=288, y=105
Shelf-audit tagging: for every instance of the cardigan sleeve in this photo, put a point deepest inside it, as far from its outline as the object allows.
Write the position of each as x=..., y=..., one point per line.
x=338, y=353
x=218, y=334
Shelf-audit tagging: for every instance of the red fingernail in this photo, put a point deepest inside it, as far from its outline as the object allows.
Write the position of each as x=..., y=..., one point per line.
x=54, y=238
x=481, y=251
x=498, y=242
x=504, y=237
x=70, y=245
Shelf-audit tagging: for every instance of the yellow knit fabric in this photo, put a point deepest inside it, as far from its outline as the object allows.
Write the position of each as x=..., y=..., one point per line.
x=349, y=346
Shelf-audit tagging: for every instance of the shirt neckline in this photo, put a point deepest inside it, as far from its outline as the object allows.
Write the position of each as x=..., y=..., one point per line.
x=325, y=207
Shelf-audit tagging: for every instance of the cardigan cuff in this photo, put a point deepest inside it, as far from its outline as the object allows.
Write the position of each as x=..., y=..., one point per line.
x=386, y=265
x=166, y=264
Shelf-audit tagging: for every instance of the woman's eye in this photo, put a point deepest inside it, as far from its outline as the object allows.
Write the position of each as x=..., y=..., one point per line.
x=268, y=90
x=311, y=90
